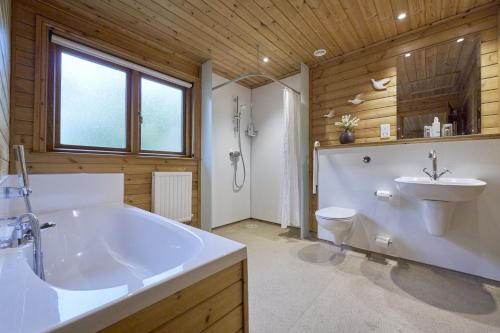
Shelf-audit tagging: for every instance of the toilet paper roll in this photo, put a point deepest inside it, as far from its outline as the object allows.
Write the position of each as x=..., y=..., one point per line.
x=383, y=241
x=383, y=194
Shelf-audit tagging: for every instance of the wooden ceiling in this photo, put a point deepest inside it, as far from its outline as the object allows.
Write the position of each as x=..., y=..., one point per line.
x=287, y=31
x=437, y=70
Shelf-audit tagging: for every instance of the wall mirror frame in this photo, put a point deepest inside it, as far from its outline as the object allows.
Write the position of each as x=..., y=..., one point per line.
x=439, y=90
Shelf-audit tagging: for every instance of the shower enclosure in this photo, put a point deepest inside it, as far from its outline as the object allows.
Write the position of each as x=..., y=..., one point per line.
x=251, y=174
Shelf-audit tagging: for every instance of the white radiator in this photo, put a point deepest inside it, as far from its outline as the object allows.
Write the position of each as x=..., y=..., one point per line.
x=172, y=195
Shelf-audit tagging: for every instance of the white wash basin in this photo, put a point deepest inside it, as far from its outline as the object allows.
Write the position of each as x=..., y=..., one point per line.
x=438, y=198
x=444, y=189
x=103, y=264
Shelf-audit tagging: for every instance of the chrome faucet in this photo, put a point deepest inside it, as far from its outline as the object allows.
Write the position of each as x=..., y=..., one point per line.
x=434, y=175
x=26, y=226
x=27, y=229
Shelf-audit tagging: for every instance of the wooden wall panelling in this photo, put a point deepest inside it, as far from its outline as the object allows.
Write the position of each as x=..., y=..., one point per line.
x=337, y=80
x=26, y=127
x=5, y=46
x=215, y=304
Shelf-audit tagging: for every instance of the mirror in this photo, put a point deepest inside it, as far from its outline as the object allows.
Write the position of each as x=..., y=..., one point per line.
x=439, y=90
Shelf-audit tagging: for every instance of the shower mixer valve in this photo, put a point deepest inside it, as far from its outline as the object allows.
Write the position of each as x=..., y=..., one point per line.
x=234, y=155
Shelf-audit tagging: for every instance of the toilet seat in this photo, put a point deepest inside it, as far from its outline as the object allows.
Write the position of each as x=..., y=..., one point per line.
x=336, y=213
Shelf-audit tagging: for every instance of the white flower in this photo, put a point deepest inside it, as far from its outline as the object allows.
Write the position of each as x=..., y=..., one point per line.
x=347, y=122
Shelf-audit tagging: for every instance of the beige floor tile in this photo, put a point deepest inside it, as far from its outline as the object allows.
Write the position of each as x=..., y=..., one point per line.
x=310, y=286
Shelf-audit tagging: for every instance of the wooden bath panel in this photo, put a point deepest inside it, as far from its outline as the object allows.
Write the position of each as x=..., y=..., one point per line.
x=217, y=303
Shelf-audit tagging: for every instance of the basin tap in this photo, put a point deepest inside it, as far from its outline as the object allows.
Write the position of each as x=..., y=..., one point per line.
x=434, y=174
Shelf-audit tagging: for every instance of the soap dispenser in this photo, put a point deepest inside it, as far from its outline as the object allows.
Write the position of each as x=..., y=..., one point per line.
x=436, y=128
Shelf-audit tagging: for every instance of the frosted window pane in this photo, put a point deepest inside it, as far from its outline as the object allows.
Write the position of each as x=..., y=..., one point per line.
x=162, y=117
x=93, y=104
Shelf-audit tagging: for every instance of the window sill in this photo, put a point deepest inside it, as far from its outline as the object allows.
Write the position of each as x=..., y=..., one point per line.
x=80, y=156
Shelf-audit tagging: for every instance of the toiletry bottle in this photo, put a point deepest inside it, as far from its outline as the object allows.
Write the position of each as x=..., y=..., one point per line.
x=436, y=128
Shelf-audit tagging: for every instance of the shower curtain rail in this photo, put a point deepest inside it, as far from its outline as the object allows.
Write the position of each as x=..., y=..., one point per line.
x=254, y=74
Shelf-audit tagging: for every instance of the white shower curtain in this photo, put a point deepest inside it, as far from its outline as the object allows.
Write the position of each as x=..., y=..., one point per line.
x=289, y=199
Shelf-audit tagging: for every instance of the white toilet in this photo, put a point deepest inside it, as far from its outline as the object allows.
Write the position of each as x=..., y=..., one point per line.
x=336, y=220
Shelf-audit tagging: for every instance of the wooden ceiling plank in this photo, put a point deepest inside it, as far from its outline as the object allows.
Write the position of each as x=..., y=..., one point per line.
x=337, y=12
x=261, y=28
x=448, y=8
x=416, y=13
x=291, y=19
x=398, y=7
x=246, y=32
x=87, y=11
x=330, y=24
x=370, y=16
x=386, y=17
x=429, y=35
x=352, y=11
x=189, y=13
x=191, y=36
x=305, y=9
x=163, y=27
x=432, y=11
x=465, y=5
x=242, y=19
x=301, y=47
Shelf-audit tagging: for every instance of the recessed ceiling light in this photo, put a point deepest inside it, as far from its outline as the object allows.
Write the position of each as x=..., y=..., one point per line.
x=402, y=16
x=265, y=59
x=319, y=52
x=407, y=55
x=460, y=40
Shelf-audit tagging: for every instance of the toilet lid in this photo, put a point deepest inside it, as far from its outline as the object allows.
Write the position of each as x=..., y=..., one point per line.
x=335, y=213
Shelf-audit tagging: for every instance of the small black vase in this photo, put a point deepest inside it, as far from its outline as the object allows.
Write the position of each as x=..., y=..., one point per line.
x=347, y=137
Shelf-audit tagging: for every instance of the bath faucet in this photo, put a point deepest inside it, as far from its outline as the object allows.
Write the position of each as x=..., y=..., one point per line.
x=434, y=175
x=26, y=227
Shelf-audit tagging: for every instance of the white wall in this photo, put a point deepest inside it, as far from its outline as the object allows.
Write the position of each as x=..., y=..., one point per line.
x=267, y=148
x=229, y=206
x=472, y=242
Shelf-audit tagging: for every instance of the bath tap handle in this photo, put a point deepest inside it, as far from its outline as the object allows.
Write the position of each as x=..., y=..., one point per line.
x=47, y=225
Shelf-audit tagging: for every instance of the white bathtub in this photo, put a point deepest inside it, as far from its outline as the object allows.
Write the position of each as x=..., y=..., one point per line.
x=103, y=264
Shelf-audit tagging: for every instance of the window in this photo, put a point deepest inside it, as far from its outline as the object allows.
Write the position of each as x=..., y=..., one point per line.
x=162, y=116
x=93, y=104
x=105, y=104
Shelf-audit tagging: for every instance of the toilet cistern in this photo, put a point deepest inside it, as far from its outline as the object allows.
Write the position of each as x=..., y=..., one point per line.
x=434, y=175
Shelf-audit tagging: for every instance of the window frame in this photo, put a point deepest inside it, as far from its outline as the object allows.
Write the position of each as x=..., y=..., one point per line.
x=133, y=109
x=185, y=115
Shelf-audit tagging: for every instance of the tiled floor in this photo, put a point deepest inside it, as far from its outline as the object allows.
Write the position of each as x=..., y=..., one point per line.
x=307, y=286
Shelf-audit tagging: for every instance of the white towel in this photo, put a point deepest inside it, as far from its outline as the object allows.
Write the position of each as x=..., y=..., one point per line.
x=315, y=167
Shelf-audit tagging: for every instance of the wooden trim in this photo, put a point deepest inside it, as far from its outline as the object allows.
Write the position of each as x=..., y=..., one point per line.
x=246, y=318
x=135, y=123
x=213, y=304
x=498, y=52
x=55, y=88
x=416, y=140
x=41, y=80
x=186, y=116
